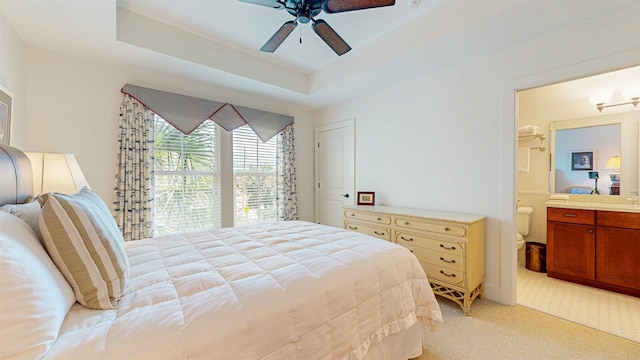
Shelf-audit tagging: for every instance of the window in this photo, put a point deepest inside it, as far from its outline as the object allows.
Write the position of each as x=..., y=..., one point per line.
x=187, y=180
x=254, y=177
x=188, y=174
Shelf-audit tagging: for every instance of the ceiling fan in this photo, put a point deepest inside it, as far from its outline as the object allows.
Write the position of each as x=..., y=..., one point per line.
x=305, y=11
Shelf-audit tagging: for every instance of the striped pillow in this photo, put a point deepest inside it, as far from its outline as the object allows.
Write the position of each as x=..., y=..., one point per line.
x=86, y=244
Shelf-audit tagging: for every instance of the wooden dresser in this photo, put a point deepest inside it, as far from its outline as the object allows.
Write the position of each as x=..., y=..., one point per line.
x=594, y=247
x=449, y=246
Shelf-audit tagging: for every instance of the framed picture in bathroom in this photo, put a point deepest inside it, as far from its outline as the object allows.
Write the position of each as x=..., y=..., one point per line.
x=582, y=160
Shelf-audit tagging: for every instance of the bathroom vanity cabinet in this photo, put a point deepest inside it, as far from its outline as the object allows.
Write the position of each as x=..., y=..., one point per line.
x=595, y=247
x=449, y=246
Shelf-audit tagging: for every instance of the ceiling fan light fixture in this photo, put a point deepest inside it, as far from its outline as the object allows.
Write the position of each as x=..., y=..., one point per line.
x=305, y=11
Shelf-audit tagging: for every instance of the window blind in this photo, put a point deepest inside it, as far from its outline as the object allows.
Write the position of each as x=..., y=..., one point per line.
x=255, y=178
x=187, y=181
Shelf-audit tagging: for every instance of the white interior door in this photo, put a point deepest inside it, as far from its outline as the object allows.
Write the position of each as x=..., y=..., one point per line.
x=335, y=171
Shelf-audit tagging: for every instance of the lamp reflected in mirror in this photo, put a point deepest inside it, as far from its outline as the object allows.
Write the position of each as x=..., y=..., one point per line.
x=613, y=164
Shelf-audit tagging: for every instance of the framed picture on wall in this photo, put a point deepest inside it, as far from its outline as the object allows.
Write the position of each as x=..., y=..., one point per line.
x=582, y=160
x=6, y=102
x=366, y=198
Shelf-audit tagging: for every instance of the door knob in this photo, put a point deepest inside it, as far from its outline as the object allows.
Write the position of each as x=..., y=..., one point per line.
x=345, y=195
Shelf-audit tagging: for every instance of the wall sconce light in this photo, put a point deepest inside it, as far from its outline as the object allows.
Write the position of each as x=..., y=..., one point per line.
x=56, y=173
x=630, y=93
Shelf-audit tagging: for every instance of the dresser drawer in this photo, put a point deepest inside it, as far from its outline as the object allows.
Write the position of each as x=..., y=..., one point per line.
x=449, y=276
x=432, y=226
x=445, y=260
x=363, y=216
x=379, y=232
x=449, y=247
x=574, y=216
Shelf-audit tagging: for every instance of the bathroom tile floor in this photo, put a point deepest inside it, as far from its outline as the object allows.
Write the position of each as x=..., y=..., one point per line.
x=607, y=311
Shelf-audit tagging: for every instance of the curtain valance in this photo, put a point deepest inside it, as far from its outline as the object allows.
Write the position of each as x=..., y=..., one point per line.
x=186, y=113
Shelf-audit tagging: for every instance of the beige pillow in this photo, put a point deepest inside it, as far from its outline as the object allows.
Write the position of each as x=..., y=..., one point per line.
x=86, y=244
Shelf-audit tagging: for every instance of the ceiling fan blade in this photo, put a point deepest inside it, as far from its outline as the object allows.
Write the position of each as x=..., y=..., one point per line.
x=331, y=37
x=269, y=3
x=272, y=44
x=336, y=6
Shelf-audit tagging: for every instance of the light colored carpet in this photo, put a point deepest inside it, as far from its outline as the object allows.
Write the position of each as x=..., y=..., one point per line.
x=495, y=331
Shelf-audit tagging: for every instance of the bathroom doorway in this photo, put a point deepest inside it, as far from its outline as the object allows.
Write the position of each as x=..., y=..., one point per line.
x=539, y=107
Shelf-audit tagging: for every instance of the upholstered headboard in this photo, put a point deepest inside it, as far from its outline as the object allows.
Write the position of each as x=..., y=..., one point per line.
x=16, y=176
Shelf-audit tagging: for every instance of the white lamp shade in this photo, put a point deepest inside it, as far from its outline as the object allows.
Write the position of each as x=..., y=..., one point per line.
x=56, y=173
x=631, y=92
x=600, y=98
x=613, y=163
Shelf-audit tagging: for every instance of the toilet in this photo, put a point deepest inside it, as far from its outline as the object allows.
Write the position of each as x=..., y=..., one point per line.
x=524, y=224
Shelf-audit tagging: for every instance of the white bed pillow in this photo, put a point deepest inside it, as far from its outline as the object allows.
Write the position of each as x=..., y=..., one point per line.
x=86, y=244
x=34, y=296
x=29, y=213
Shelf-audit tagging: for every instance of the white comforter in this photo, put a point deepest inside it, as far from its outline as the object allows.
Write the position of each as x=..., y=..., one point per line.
x=287, y=290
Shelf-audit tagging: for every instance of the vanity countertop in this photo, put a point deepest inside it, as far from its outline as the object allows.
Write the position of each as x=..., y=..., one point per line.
x=594, y=206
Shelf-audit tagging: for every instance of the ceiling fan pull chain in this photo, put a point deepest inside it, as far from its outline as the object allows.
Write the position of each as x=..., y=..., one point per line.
x=300, y=34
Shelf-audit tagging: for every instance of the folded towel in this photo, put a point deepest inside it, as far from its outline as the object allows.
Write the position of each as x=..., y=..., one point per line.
x=529, y=130
x=559, y=197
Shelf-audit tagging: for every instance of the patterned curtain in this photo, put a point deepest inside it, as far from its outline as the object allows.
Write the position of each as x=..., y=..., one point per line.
x=133, y=190
x=287, y=203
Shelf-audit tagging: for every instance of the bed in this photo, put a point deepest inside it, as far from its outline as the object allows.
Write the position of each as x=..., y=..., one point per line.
x=283, y=290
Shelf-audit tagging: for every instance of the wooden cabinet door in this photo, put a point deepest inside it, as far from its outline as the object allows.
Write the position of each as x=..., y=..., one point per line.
x=571, y=249
x=618, y=253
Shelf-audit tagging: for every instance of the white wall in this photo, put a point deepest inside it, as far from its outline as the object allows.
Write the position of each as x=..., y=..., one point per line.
x=12, y=77
x=446, y=140
x=73, y=106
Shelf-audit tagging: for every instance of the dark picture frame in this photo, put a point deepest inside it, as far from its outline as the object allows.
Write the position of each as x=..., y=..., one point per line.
x=6, y=109
x=582, y=160
x=366, y=198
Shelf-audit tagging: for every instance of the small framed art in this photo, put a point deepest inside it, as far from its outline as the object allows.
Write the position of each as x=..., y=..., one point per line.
x=6, y=101
x=582, y=160
x=366, y=198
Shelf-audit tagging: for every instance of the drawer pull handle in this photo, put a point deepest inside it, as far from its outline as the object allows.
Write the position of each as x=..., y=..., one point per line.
x=445, y=274
x=353, y=227
x=447, y=261
x=410, y=250
x=446, y=229
x=447, y=248
x=570, y=215
x=406, y=223
x=590, y=231
x=406, y=239
x=379, y=219
x=378, y=233
x=353, y=214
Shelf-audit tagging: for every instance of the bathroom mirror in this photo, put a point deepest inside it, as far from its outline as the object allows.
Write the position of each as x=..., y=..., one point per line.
x=593, y=141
